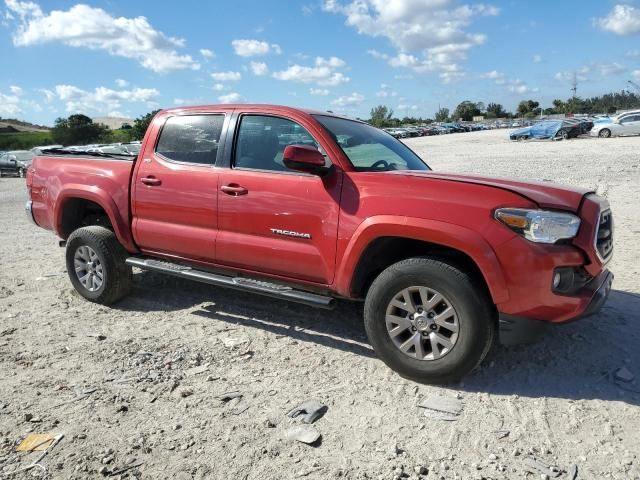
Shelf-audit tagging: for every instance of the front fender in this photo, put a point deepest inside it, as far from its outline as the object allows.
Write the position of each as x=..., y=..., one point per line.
x=433, y=231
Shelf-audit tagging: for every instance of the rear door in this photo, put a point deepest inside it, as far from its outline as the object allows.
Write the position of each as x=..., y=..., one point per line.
x=175, y=187
x=273, y=220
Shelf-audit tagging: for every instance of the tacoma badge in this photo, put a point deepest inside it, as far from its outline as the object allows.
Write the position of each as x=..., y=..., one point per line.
x=290, y=233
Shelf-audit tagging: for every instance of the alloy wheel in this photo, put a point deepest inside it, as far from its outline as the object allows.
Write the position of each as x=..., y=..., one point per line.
x=88, y=268
x=422, y=323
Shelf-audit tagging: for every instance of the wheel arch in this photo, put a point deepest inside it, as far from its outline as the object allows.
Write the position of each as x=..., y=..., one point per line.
x=381, y=241
x=74, y=202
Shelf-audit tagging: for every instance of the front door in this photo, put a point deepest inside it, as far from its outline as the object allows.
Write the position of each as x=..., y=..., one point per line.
x=273, y=220
x=630, y=125
x=175, y=188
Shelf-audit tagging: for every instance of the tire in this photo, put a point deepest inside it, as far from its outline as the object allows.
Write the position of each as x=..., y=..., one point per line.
x=472, y=310
x=21, y=173
x=563, y=134
x=604, y=133
x=108, y=259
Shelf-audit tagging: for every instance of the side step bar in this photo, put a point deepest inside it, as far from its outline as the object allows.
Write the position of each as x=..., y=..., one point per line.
x=261, y=287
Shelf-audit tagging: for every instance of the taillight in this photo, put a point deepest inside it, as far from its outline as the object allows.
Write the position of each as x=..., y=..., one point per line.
x=29, y=179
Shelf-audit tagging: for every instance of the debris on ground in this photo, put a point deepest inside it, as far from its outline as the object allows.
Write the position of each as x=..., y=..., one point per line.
x=36, y=442
x=441, y=408
x=196, y=370
x=97, y=336
x=311, y=410
x=573, y=472
x=228, y=396
x=304, y=434
x=535, y=465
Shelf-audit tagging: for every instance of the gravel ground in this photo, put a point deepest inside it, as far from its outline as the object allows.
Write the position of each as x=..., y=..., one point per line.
x=138, y=385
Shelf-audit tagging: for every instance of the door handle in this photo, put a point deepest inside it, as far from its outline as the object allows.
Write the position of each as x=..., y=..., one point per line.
x=151, y=181
x=234, y=189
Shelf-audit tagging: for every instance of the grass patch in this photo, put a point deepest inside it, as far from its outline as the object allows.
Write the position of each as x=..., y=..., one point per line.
x=24, y=140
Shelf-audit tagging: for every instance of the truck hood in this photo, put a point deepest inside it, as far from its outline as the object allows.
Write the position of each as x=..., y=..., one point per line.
x=545, y=194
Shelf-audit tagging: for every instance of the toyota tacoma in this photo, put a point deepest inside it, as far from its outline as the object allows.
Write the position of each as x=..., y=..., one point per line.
x=310, y=207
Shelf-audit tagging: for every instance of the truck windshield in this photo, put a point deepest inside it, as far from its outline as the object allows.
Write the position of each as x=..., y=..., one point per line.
x=368, y=148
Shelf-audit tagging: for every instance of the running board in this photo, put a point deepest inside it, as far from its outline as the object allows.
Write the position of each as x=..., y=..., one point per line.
x=261, y=287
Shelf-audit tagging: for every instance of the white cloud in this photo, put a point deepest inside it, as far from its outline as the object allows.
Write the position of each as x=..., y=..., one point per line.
x=636, y=74
x=206, y=53
x=613, y=68
x=322, y=73
x=537, y=58
x=404, y=108
x=496, y=76
x=93, y=28
x=621, y=20
x=102, y=99
x=226, y=76
x=319, y=91
x=520, y=87
x=385, y=91
x=16, y=90
x=259, y=68
x=49, y=95
x=230, y=98
x=436, y=30
x=254, y=48
x=218, y=87
x=353, y=100
x=121, y=83
x=9, y=105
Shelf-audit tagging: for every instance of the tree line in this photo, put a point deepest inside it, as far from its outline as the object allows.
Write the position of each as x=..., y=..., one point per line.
x=382, y=116
x=77, y=129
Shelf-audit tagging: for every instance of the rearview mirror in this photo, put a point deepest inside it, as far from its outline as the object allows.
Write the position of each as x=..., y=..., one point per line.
x=304, y=158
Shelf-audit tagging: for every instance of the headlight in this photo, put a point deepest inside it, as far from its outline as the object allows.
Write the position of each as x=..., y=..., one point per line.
x=539, y=226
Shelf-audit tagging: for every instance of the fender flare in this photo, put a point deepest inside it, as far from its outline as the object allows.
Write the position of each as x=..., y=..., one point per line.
x=437, y=232
x=100, y=197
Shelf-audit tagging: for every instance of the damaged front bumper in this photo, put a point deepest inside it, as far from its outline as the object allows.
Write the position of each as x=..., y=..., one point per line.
x=515, y=330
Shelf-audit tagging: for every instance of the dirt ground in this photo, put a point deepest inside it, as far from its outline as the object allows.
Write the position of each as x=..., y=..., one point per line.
x=138, y=385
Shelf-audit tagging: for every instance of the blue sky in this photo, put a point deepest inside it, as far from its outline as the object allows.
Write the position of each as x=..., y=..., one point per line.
x=126, y=58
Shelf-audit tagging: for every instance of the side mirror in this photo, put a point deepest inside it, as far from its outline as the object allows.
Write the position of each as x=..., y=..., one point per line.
x=304, y=158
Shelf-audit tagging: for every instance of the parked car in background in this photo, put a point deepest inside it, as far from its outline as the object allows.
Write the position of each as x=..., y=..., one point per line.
x=40, y=150
x=627, y=123
x=549, y=129
x=16, y=162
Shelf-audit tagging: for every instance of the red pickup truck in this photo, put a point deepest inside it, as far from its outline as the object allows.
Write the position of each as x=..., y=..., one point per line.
x=309, y=206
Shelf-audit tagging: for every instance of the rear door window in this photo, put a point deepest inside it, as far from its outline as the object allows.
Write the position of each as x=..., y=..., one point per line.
x=191, y=139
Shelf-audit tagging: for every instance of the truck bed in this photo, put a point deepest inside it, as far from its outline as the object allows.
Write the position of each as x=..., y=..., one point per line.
x=55, y=178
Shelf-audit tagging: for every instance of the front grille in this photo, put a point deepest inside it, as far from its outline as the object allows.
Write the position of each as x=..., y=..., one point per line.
x=604, y=236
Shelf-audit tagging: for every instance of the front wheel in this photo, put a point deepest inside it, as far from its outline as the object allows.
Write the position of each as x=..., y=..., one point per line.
x=428, y=320
x=563, y=134
x=604, y=133
x=96, y=265
x=22, y=173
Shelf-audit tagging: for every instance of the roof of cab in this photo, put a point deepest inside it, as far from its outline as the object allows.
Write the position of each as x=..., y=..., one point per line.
x=251, y=106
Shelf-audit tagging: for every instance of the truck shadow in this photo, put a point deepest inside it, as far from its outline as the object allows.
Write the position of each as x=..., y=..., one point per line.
x=573, y=361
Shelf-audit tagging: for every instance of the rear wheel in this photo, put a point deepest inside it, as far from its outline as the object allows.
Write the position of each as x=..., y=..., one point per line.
x=96, y=265
x=428, y=320
x=604, y=133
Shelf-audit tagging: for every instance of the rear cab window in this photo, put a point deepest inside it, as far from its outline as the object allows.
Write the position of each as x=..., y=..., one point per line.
x=191, y=138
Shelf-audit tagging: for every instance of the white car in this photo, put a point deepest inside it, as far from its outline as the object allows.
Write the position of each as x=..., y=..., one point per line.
x=627, y=123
